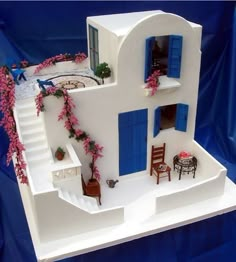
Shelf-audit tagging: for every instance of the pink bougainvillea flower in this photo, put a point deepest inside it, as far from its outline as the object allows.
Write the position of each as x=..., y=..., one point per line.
x=78, y=58
x=153, y=82
x=7, y=103
x=71, y=123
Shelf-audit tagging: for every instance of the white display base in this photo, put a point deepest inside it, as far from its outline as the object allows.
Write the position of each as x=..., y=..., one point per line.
x=131, y=229
x=137, y=206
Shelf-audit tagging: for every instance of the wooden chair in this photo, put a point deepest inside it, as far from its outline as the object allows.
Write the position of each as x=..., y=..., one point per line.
x=92, y=189
x=158, y=165
x=43, y=83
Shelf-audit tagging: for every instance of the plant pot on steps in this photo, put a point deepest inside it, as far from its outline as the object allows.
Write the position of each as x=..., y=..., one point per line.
x=92, y=188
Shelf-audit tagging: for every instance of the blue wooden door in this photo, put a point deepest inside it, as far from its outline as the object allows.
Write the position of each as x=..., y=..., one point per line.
x=132, y=141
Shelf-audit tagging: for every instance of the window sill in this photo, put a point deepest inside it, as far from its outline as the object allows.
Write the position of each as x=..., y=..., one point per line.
x=166, y=83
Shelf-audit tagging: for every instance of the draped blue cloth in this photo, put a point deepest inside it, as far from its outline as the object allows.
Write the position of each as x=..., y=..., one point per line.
x=37, y=30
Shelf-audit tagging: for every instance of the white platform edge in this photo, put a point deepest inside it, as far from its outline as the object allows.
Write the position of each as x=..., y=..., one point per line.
x=84, y=243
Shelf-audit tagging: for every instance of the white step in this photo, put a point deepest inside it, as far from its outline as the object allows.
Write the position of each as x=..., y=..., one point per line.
x=27, y=116
x=92, y=202
x=74, y=198
x=32, y=132
x=65, y=195
x=42, y=148
x=26, y=124
x=25, y=103
x=34, y=141
x=31, y=159
x=39, y=150
x=79, y=201
x=26, y=107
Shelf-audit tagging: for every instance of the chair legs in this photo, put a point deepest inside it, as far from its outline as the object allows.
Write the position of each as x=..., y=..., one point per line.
x=158, y=177
x=169, y=176
x=22, y=76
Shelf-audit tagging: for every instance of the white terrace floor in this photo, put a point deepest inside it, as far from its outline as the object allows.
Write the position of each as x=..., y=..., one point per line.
x=131, y=190
x=28, y=89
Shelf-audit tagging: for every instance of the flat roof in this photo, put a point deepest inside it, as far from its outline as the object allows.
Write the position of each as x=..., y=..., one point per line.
x=120, y=24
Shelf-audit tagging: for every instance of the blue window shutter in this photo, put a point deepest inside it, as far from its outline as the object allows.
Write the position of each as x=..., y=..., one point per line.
x=174, y=56
x=93, y=47
x=181, y=117
x=148, y=57
x=157, y=121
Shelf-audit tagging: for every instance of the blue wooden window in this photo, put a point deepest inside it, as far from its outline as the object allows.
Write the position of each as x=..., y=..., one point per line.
x=93, y=47
x=132, y=141
x=174, y=55
x=157, y=121
x=181, y=117
x=148, y=57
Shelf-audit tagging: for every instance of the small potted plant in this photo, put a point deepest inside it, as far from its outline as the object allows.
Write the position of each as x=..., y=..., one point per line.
x=103, y=71
x=60, y=153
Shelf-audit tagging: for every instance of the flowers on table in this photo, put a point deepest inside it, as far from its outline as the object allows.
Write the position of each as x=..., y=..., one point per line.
x=7, y=103
x=185, y=154
x=71, y=124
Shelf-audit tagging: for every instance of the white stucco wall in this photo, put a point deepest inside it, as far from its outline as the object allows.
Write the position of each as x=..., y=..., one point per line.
x=98, y=108
x=108, y=40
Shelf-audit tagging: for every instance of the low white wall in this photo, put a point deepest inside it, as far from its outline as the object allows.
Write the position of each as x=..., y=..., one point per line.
x=60, y=67
x=211, y=185
x=207, y=164
x=59, y=219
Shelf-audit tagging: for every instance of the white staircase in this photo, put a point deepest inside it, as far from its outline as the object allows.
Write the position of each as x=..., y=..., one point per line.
x=32, y=133
x=39, y=157
x=85, y=203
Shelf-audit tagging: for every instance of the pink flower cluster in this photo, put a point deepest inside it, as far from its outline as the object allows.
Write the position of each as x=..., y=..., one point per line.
x=80, y=57
x=184, y=154
x=153, y=82
x=7, y=103
x=71, y=124
x=50, y=62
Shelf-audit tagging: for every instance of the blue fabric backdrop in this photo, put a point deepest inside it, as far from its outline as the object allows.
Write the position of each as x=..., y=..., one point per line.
x=38, y=30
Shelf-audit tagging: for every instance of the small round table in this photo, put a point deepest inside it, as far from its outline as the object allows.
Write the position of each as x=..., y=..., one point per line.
x=185, y=165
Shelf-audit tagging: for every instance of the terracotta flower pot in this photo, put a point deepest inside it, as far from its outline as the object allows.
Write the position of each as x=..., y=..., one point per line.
x=59, y=155
x=93, y=187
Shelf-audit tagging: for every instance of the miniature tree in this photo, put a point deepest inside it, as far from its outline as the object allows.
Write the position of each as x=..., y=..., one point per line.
x=103, y=71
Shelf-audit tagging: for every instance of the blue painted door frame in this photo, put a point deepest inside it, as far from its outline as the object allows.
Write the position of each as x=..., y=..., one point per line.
x=132, y=141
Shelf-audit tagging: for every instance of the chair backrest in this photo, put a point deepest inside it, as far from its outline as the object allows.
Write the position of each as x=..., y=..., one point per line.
x=158, y=154
x=43, y=83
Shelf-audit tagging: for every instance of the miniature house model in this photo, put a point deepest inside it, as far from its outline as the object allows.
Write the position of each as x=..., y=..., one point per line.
x=126, y=121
